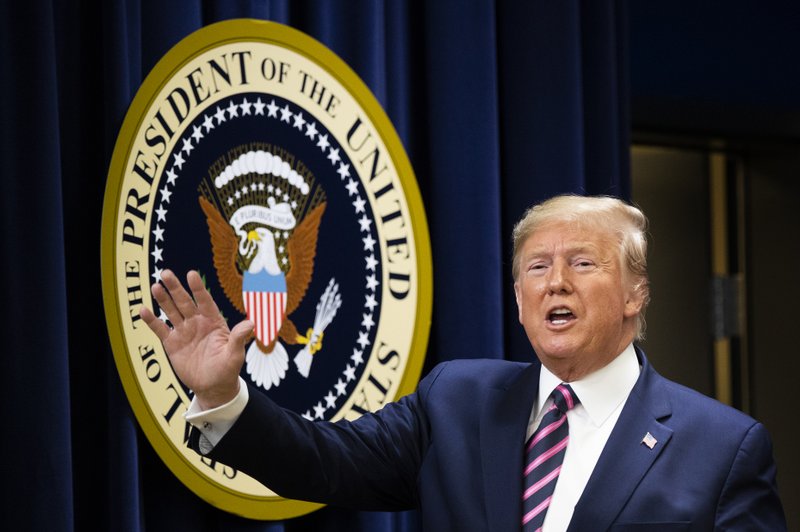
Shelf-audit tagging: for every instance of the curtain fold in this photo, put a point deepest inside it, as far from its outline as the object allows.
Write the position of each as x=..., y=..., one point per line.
x=463, y=178
x=499, y=104
x=35, y=365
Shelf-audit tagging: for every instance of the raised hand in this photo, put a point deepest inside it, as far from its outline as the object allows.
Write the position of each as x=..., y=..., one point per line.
x=206, y=355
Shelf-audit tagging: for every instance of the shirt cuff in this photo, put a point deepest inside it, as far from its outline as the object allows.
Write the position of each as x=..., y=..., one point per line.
x=214, y=423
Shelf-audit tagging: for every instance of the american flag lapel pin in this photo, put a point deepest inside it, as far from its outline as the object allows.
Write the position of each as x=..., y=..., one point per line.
x=649, y=440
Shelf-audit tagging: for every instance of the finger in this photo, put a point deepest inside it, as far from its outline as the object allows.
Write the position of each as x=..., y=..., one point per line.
x=164, y=300
x=183, y=301
x=205, y=303
x=156, y=325
x=241, y=333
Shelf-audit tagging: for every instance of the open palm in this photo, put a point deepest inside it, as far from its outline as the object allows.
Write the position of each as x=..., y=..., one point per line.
x=206, y=355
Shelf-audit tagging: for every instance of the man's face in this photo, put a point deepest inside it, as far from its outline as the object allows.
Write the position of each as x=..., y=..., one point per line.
x=575, y=301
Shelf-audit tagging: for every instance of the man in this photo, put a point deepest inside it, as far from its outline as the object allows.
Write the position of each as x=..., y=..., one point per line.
x=621, y=447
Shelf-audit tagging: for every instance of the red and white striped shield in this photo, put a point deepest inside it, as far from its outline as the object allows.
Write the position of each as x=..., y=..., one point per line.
x=266, y=309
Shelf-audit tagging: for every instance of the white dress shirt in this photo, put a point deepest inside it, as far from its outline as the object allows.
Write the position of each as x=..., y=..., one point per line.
x=602, y=395
x=213, y=424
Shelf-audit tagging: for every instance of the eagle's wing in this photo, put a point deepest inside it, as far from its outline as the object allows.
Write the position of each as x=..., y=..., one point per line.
x=225, y=247
x=302, y=248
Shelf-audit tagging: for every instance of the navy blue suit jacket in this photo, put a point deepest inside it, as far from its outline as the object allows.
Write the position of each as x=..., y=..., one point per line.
x=454, y=450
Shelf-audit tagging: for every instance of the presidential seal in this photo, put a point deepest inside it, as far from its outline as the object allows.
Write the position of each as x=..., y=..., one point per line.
x=255, y=156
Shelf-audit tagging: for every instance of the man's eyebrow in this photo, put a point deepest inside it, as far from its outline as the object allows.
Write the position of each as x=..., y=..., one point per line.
x=581, y=247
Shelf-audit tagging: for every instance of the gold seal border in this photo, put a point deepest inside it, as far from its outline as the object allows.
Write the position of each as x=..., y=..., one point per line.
x=195, y=44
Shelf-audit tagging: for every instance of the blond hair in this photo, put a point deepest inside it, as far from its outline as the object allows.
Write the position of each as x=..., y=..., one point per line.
x=626, y=222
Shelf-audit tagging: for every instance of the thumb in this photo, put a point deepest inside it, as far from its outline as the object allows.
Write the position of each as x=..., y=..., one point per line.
x=242, y=332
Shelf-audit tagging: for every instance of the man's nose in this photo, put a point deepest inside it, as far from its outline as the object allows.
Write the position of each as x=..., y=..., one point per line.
x=558, y=280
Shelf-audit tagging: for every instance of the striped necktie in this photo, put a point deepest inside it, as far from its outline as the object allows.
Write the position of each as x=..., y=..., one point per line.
x=544, y=454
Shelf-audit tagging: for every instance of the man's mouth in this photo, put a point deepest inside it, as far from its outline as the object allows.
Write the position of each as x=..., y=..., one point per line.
x=560, y=316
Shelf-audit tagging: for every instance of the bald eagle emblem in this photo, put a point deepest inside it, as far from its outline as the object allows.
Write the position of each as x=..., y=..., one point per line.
x=264, y=258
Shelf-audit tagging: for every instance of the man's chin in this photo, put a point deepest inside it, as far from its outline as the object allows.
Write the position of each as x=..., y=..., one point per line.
x=557, y=354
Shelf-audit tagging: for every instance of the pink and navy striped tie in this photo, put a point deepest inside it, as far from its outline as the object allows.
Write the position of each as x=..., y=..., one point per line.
x=544, y=454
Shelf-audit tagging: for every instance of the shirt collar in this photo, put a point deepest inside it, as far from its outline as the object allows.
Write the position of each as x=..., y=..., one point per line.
x=602, y=391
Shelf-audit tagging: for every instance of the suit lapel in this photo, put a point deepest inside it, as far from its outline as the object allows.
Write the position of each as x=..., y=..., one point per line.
x=502, y=437
x=625, y=458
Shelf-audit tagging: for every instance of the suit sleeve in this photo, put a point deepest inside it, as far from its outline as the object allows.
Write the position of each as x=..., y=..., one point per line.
x=749, y=498
x=371, y=463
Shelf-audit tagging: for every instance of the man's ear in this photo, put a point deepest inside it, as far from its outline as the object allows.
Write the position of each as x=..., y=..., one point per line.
x=634, y=301
x=518, y=297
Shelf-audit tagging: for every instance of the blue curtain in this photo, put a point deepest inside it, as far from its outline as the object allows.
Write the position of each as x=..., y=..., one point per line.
x=498, y=103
